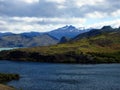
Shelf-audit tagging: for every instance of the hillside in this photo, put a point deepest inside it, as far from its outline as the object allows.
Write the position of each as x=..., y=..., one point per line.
x=6, y=34
x=95, y=32
x=100, y=48
x=17, y=40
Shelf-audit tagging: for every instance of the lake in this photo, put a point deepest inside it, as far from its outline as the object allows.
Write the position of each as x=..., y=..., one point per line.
x=47, y=76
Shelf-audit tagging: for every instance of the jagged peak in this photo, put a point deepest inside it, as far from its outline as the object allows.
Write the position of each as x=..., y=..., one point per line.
x=106, y=27
x=68, y=27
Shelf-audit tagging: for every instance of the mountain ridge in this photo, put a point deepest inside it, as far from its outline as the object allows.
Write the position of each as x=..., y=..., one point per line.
x=18, y=40
x=27, y=38
x=67, y=31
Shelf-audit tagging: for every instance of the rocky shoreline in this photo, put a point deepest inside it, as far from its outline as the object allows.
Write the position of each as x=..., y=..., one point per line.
x=4, y=78
x=5, y=87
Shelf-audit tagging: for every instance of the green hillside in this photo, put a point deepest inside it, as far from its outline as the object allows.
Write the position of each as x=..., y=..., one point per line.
x=103, y=47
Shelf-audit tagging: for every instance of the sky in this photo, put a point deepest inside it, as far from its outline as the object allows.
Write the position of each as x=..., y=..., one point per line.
x=44, y=15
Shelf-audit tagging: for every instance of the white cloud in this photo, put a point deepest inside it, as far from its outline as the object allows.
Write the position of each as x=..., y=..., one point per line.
x=81, y=3
x=116, y=13
x=26, y=24
x=56, y=20
x=61, y=6
x=30, y=1
x=96, y=15
x=113, y=23
x=26, y=19
x=2, y=22
x=56, y=1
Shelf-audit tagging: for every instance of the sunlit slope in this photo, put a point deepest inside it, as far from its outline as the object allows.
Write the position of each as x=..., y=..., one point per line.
x=103, y=43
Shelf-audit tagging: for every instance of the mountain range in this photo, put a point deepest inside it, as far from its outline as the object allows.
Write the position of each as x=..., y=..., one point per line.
x=96, y=46
x=32, y=39
x=6, y=34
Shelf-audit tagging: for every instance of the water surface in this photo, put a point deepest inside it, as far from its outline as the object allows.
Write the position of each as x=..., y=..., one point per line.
x=45, y=76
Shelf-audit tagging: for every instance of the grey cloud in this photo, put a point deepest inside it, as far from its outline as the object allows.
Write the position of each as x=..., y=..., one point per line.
x=3, y=28
x=42, y=9
x=108, y=6
x=49, y=9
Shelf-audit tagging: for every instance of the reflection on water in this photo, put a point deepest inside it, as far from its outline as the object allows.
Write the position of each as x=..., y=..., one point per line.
x=45, y=76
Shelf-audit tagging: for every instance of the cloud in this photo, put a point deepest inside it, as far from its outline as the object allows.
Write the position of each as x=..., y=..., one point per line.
x=44, y=15
x=57, y=1
x=96, y=15
x=24, y=24
x=116, y=13
x=113, y=23
x=30, y=1
x=56, y=8
x=71, y=20
x=81, y=3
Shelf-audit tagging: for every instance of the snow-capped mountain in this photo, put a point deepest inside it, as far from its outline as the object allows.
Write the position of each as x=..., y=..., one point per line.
x=30, y=39
x=67, y=31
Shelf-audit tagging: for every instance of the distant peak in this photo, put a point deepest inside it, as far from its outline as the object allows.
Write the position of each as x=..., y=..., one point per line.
x=106, y=27
x=68, y=27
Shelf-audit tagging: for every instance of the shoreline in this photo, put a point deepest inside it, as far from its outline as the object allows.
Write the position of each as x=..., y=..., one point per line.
x=6, y=87
x=4, y=78
x=70, y=57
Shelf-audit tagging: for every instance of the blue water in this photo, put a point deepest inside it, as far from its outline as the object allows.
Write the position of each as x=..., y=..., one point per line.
x=45, y=76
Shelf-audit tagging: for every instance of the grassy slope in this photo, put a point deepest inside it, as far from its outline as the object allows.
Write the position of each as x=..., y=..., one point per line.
x=105, y=43
x=103, y=48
